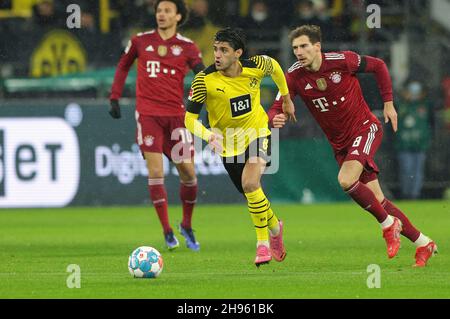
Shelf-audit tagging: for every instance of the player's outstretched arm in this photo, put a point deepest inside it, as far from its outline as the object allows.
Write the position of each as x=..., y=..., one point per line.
x=123, y=67
x=197, y=96
x=280, y=80
x=196, y=99
x=198, y=129
x=370, y=64
x=379, y=68
x=276, y=114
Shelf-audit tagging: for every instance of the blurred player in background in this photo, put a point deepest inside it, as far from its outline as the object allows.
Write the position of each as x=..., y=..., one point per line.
x=328, y=86
x=231, y=90
x=164, y=58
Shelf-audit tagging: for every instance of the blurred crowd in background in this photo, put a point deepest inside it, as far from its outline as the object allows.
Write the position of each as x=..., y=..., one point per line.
x=107, y=24
x=410, y=37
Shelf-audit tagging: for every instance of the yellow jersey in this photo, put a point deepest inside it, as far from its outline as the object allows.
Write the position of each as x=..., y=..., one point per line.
x=233, y=103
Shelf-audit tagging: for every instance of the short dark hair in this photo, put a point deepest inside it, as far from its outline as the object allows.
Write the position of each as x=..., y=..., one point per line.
x=312, y=31
x=181, y=9
x=234, y=36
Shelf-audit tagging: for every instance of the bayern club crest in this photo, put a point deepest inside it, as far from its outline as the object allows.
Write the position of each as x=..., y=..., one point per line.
x=176, y=49
x=336, y=77
x=148, y=140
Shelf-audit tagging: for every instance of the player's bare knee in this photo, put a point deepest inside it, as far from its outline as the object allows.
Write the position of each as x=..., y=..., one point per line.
x=186, y=172
x=156, y=174
x=189, y=181
x=250, y=186
x=188, y=176
x=346, y=181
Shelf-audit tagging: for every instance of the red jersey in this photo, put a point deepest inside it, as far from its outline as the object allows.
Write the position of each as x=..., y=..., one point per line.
x=161, y=68
x=333, y=94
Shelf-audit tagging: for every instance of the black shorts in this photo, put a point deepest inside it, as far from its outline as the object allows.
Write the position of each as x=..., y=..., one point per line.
x=261, y=147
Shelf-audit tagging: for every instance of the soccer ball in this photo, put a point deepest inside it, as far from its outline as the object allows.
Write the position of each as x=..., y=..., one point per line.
x=145, y=262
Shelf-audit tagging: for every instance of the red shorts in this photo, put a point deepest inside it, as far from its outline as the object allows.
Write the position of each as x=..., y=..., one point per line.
x=164, y=134
x=363, y=148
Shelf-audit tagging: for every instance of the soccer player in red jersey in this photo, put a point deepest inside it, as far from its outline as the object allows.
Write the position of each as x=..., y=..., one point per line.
x=328, y=86
x=164, y=57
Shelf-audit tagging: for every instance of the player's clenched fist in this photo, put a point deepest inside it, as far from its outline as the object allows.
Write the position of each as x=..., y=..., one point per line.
x=279, y=120
x=114, y=111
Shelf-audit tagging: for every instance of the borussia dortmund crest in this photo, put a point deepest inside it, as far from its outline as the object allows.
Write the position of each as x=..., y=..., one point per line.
x=321, y=84
x=162, y=50
x=253, y=83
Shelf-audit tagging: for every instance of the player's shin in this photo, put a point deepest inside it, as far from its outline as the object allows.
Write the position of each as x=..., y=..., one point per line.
x=158, y=196
x=365, y=198
x=258, y=208
x=188, y=196
x=408, y=230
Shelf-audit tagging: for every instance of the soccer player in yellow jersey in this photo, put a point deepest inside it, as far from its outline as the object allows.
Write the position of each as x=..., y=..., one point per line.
x=230, y=88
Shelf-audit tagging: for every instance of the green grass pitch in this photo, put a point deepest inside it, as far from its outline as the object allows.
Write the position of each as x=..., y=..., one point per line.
x=329, y=248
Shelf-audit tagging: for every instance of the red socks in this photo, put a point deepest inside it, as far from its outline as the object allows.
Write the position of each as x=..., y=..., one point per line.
x=188, y=195
x=367, y=200
x=409, y=231
x=159, y=197
x=158, y=194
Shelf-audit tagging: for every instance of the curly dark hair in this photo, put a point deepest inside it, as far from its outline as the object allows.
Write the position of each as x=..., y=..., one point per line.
x=181, y=9
x=234, y=36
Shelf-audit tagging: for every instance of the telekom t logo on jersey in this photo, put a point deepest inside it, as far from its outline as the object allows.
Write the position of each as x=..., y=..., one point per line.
x=153, y=68
x=321, y=103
